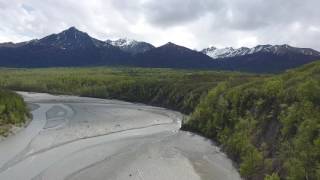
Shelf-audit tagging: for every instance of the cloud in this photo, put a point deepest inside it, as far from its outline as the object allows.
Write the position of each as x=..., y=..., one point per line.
x=172, y=13
x=193, y=23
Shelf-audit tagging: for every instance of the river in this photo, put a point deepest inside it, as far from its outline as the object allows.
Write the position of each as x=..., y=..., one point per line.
x=88, y=138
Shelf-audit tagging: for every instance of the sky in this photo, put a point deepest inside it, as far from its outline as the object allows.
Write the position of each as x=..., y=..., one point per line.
x=192, y=23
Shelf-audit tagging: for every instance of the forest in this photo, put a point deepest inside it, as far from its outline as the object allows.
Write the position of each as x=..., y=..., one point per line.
x=175, y=89
x=270, y=127
x=268, y=124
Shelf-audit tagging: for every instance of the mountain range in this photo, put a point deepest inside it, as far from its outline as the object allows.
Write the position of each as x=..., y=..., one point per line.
x=72, y=47
x=216, y=53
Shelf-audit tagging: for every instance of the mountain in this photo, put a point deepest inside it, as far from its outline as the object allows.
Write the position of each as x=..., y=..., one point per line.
x=263, y=58
x=171, y=55
x=73, y=47
x=131, y=46
x=12, y=45
x=216, y=53
x=71, y=39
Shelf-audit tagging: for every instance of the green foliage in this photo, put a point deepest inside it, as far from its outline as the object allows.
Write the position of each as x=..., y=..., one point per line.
x=266, y=126
x=273, y=87
x=251, y=164
x=273, y=176
x=13, y=111
x=176, y=89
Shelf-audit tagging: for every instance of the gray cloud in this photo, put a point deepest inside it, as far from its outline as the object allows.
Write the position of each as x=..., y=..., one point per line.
x=193, y=23
x=172, y=13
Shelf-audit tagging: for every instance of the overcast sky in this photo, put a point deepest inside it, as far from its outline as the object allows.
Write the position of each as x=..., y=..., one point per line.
x=193, y=23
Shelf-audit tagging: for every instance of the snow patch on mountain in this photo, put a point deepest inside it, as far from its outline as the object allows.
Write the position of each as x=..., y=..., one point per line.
x=130, y=45
x=217, y=53
x=123, y=42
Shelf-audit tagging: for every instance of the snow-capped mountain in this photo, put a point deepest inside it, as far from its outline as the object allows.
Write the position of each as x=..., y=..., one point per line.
x=71, y=38
x=131, y=46
x=216, y=53
x=285, y=49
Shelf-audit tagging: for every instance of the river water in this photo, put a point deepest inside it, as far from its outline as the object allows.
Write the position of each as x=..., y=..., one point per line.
x=87, y=138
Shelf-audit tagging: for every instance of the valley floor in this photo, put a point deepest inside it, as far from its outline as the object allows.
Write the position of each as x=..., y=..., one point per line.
x=87, y=138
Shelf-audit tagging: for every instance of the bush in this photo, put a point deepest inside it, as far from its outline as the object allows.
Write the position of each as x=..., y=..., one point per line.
x=273, y=176
x=13, y=111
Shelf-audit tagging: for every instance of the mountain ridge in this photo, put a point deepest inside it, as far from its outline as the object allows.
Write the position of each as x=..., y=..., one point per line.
x=218, y=53
x=73, y=47
x=130, y=45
